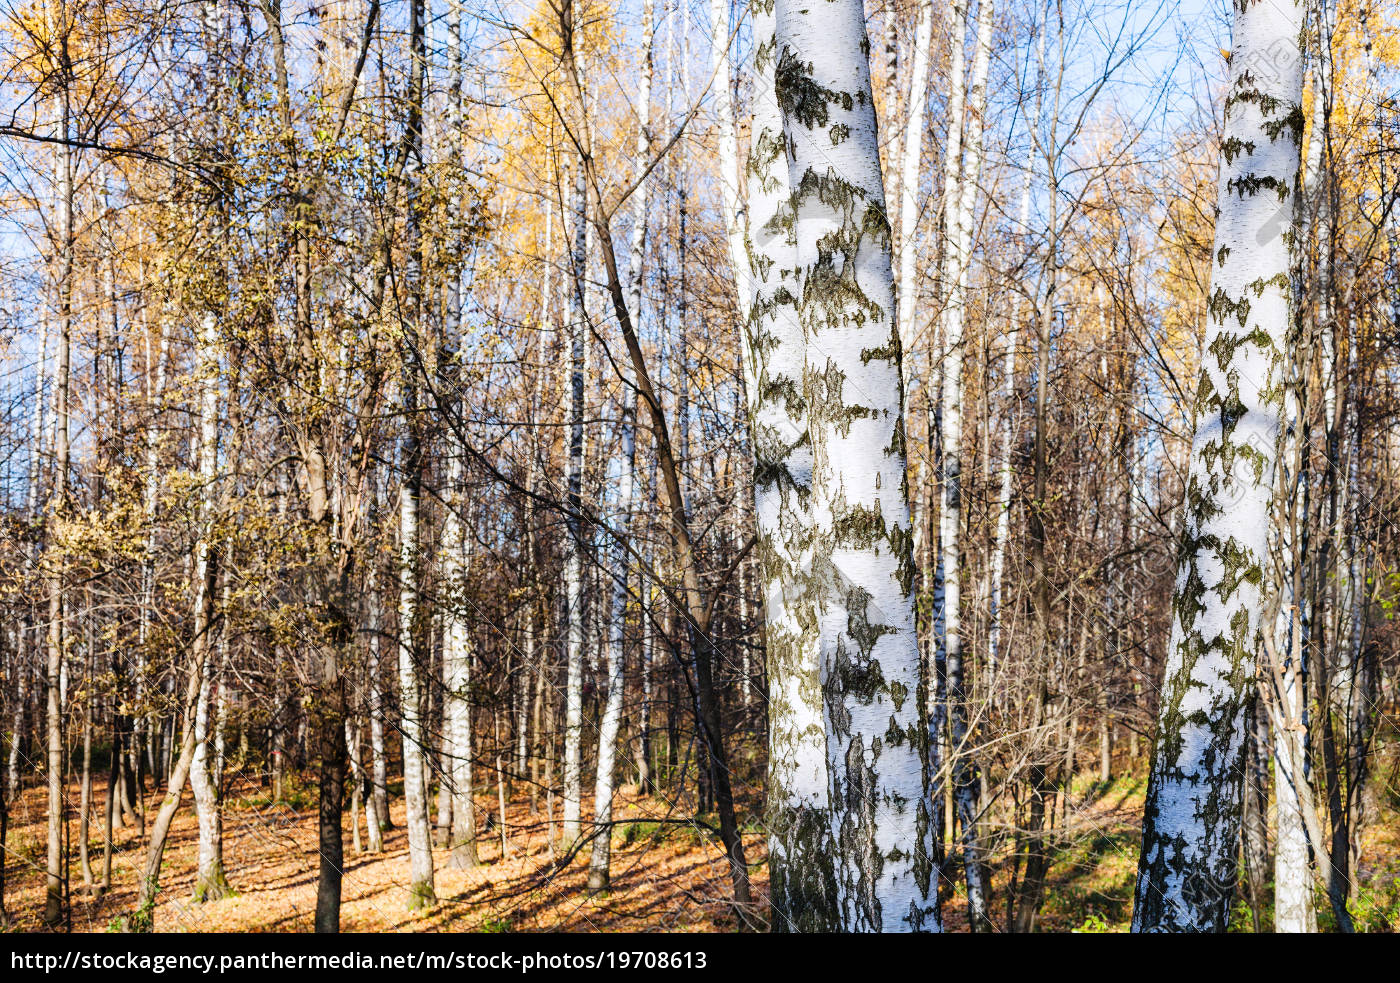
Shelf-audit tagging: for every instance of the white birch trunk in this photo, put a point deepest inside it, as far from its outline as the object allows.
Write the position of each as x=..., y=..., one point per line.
x=622, y=466
x=800, y=848
x=640, y=197
x=862, y=559
x=378, y=701
x=32, y=497
x=1294, y=911
x=55, y=692
x=456, y=671
x=146, y=720
x=573, y=564
x=910, y=168
x=959, y=216
x=731, y=193
x=420, y=848
x=1187, y=871
x=1007, y=476
x=210, y=881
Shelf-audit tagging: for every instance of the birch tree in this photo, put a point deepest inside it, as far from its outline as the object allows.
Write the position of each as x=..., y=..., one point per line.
x=959, y=205
x=731, y=189
x=420, y=849
x=622, y=468
x=421, y=892
x=573, y=563
x=622, y=477
x=59, y=30
x=1186, y=875
x=800, y=846
x=911, y=166
x=456, y=656
x=211, y=884
x=862, y=559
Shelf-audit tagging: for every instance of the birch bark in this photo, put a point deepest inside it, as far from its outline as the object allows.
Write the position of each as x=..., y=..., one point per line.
x=378, y=701
x=59, y=499
x=211, y=884
x=622, y=466
x=1187, y=874
x=731, y=191
x=420, y=848
x=456, y=660
x=456, y=656
x=412, y=660
x=958, y=210
x=862, y=558
x=800, y=848
x=1299, y=633
x=573, y=564
x=910, y=167
x=599, y=873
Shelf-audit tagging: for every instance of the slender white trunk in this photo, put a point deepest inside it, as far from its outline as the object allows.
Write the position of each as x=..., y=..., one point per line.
x=622, y=468
x=21, y=673
x=910, y=168
x=210, y=882
x=862, y=559
x=959, y=216
x=32, y=498
x=800, y=847
x=1186, y=875
x=534, y=660
x=955, y=21
x=573, y=564
x=456, y=671
x=221, y=697
x=731, y=192
x=640, y=199
x=378, y=700
x=33, y=491
x=357, y=784
x=1007, y=475
x=1293, y=901
x=420, y=847
x=1294, y=910
x=58, y=507
x=147, y=721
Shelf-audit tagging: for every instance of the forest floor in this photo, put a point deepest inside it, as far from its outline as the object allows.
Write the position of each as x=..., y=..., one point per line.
x=668, y=872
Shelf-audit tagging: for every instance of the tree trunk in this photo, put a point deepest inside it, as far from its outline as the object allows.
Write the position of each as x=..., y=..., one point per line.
x=85, y=791
x=1256, y=813
x=695, y=601
x=863, y=564
x=958, y=209
x=210, y=882
x=802, y=885
x=142, y=918
x=573, y=563
x=456, y=662
x=910, y=167
x=352, y=758
x=56, y=885
x=624, y=463
x=421, y=891
x=378, y=703
x=1187, y=873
